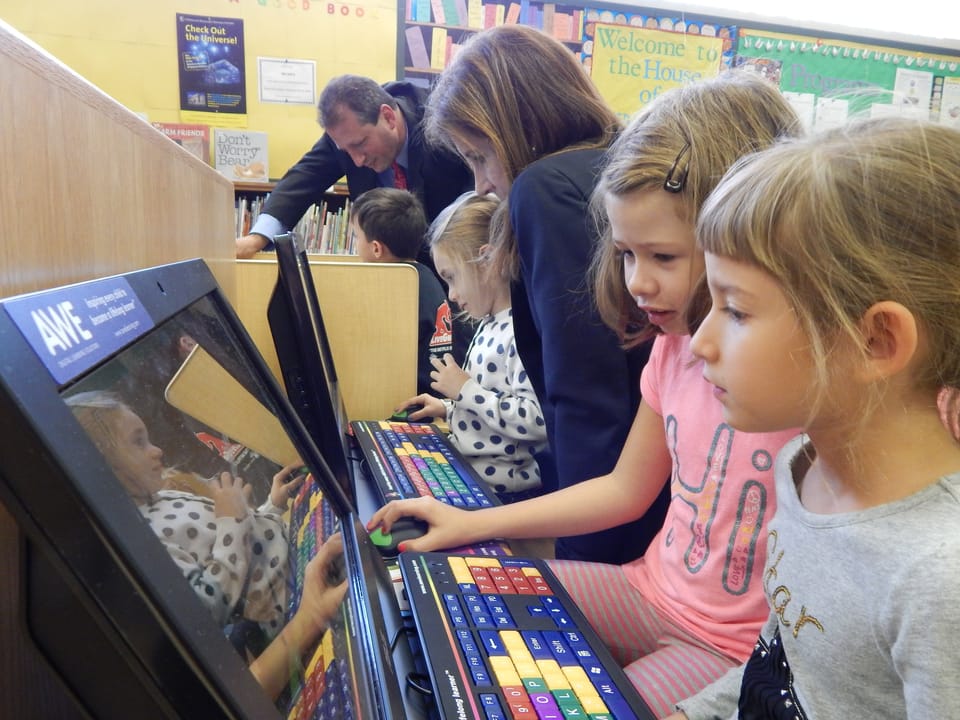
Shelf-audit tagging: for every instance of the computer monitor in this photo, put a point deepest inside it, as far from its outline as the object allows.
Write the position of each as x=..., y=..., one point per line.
x=306, y=360
x=106, y=602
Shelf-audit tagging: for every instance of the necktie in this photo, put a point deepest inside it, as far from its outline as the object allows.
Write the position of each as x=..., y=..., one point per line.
x=399, y=177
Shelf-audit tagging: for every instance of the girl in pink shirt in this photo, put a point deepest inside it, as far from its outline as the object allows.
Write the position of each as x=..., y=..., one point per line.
x=691, y=607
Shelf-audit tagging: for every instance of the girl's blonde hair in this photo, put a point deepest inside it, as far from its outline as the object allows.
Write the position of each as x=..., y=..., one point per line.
x=95, y=411
x=462, y=229
x=848, y=218
x=691, y=135
x=525, y=93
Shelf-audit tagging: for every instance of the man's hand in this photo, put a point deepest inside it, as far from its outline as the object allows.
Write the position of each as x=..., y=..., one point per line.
x=250, y=245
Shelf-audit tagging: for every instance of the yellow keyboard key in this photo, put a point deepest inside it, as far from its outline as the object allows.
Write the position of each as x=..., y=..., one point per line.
x=479, y=561
x=513, y=641
x=527, y=669
x=504, y=670
x=553, y=675
x=501, y=663
x=593, y=705
x=461, y=573
x=579, y=681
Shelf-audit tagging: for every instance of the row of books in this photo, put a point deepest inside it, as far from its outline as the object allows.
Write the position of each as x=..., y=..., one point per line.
x=246, y=212
x=475, y=14
x=326, y=232
x=239, y=155
x=441, y=52
x=464, y=13
x=323, y=230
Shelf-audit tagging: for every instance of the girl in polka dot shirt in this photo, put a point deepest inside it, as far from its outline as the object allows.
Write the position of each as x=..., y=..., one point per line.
x=493, y=412
x=233, y=556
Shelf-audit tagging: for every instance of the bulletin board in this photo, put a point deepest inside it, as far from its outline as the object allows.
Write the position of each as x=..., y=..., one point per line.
x=828, y=80
x=633, y=57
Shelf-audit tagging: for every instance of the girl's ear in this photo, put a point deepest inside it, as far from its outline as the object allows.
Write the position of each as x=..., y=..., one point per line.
x=892, y=339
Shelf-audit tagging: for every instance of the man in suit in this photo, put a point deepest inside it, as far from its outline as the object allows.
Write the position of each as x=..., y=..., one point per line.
x=372, y=135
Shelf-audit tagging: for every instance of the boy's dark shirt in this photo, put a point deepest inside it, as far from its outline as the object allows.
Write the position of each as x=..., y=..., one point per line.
x=435, y=328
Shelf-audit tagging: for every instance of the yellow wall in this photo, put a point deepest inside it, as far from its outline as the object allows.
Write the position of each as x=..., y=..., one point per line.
x=128, y=48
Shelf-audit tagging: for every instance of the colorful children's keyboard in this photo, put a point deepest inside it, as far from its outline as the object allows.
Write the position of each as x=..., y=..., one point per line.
x=407, y=460
x=324, y=689
x=503, y=640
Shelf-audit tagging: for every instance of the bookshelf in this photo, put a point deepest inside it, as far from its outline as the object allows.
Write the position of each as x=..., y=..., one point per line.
x=431, y=31
x=323, y=227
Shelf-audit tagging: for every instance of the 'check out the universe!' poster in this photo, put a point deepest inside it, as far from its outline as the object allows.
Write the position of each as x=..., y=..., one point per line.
x=211, y=65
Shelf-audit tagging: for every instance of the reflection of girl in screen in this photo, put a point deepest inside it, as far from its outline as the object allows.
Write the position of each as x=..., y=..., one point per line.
x=233, y=556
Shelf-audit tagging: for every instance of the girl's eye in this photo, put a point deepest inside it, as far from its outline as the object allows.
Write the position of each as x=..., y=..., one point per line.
x=664, y=258
x=624, y=253
x=737, y=316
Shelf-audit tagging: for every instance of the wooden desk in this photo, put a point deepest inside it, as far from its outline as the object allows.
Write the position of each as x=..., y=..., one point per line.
x=90, y=190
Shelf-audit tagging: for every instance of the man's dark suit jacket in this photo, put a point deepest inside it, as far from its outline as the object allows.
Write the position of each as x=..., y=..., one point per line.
x=435, y=176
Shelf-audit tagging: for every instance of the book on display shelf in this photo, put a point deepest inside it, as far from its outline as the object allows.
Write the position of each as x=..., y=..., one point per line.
x=241, y=155
x=192, y=137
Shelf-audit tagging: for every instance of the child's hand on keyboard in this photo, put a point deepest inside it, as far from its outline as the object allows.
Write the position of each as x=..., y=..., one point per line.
x=449, y=526
x=285, y=484
x=323, y=591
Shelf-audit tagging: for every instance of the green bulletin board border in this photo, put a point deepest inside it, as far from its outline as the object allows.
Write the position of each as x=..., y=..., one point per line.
x=806, y=60
x=832, y=67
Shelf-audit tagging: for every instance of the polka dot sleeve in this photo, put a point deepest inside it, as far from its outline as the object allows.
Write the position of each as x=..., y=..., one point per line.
x=211, y=552
x=496, y=421
x=499, y=392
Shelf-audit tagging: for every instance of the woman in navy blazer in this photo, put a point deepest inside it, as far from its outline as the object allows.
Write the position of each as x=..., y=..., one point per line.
x=531, y=125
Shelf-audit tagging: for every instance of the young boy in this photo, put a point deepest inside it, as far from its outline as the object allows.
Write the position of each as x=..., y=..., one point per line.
x=390, y=226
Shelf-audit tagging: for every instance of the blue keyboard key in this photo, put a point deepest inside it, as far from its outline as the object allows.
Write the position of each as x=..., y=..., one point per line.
x=492, y=643
x=559, y=648
x=491, y=707
x=614, y=700
x=536, y=645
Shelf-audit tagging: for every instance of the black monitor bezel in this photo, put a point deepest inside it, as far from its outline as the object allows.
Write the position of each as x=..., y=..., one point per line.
x=306, y=358
x=58, y=488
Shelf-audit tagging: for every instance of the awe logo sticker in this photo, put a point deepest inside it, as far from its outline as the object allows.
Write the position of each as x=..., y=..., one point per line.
x=73, y=328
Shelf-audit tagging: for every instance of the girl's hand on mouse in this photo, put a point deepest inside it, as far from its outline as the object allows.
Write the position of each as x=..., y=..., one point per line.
x=433, y=407
x=449, y=526
x=285, y=484
x=231, y=496
x=448, y=377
